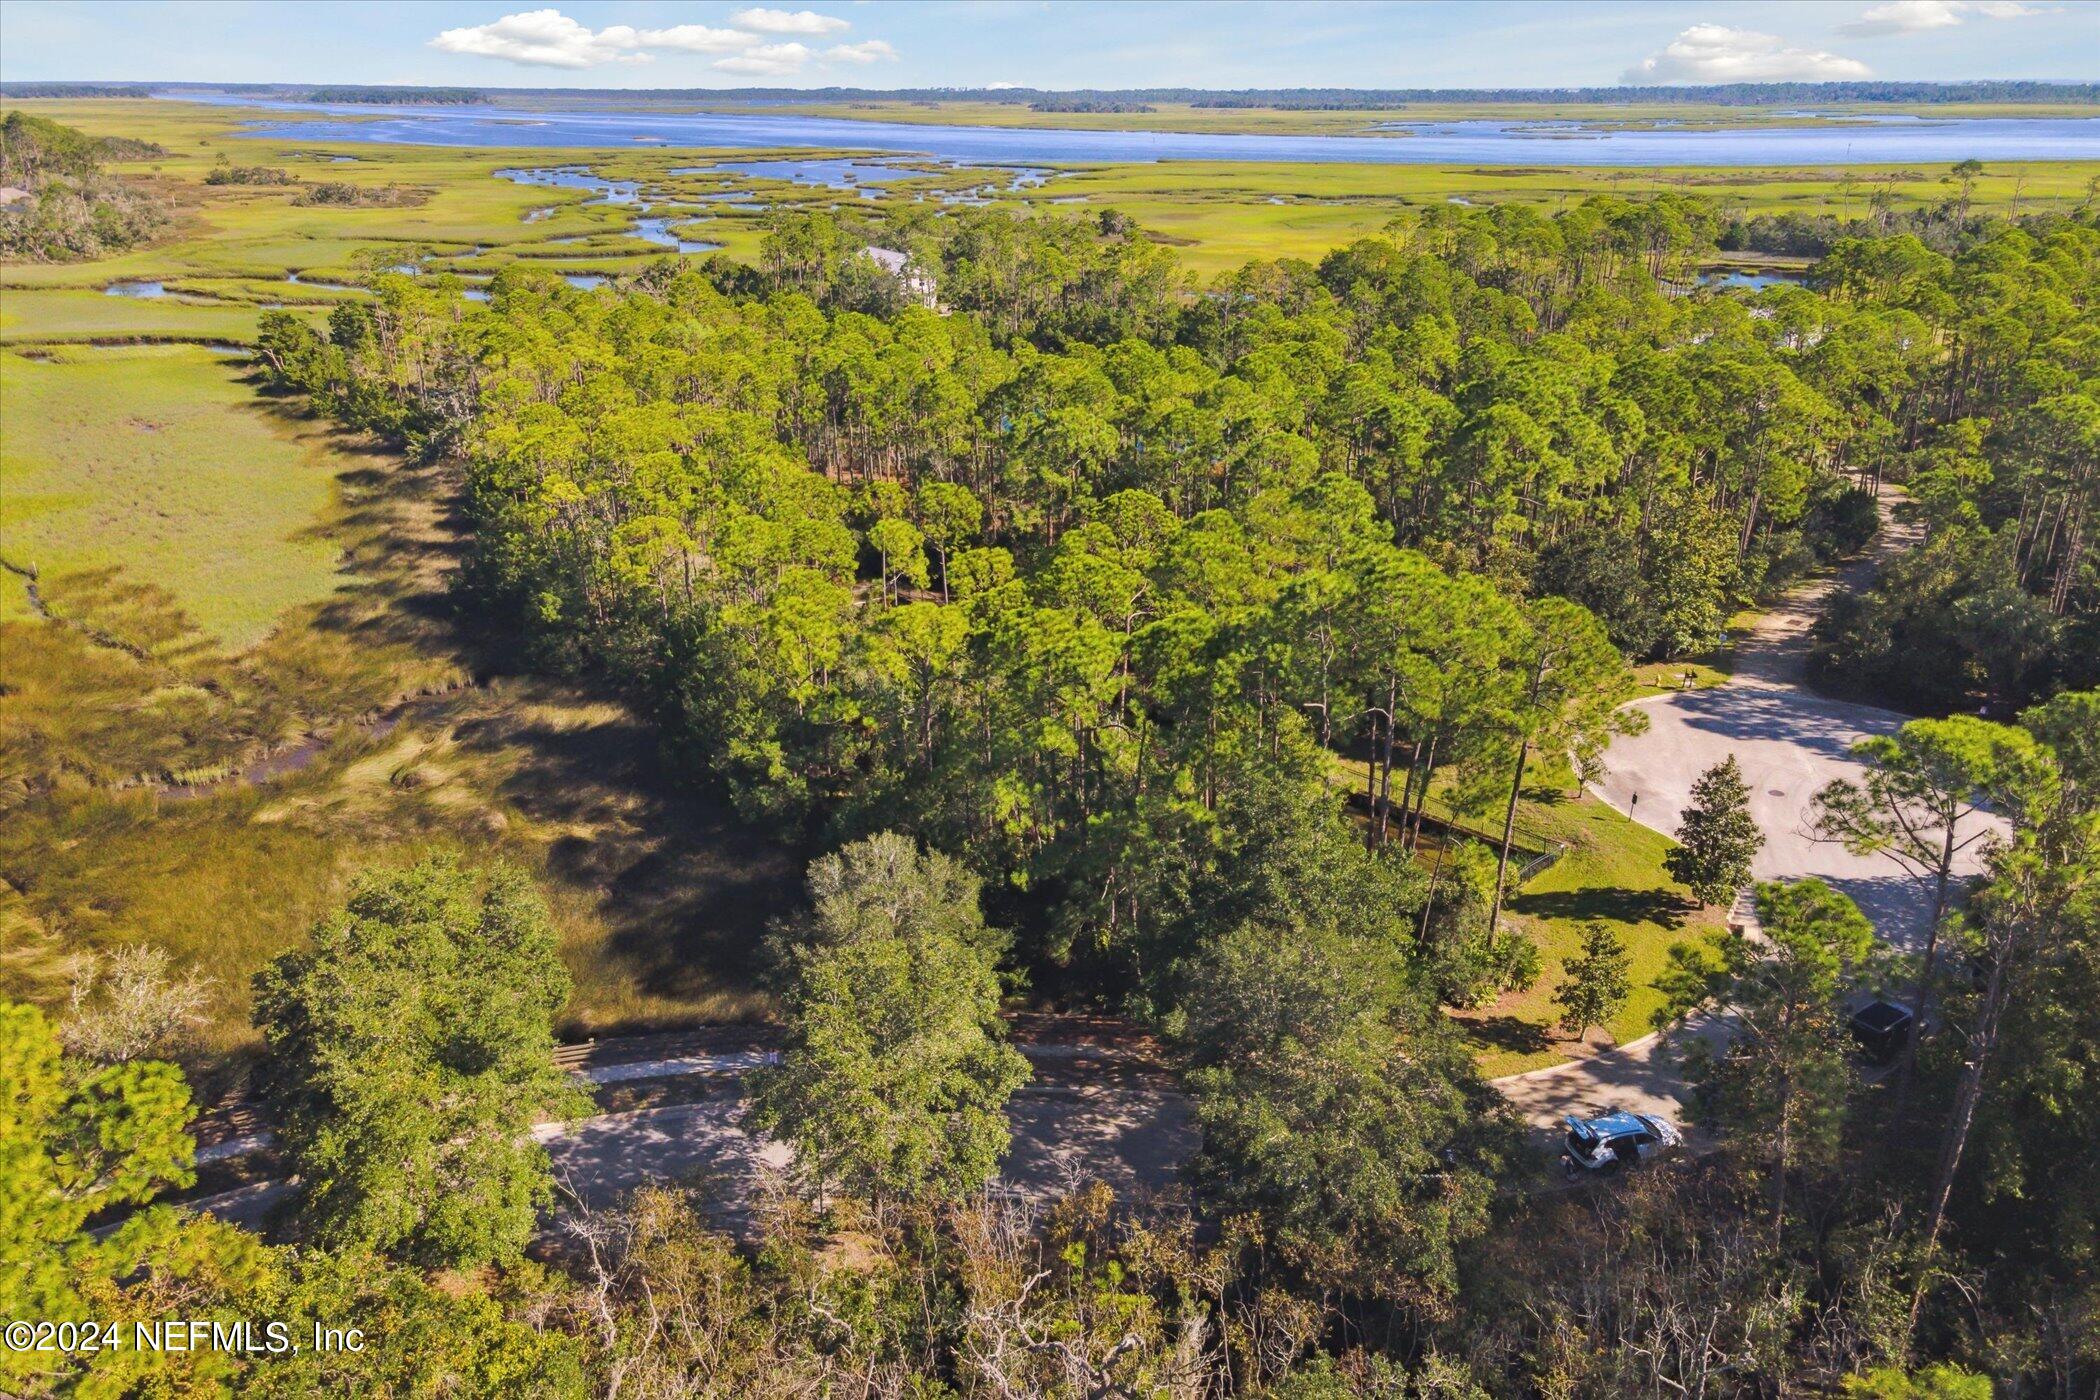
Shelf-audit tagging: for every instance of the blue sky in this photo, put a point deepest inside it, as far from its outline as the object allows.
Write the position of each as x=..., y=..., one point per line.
x=976, y=43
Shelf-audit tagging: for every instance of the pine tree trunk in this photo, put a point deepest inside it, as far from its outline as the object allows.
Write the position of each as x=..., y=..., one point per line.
x=1965, y=1101
x=1509, y=831
x=1923, y=986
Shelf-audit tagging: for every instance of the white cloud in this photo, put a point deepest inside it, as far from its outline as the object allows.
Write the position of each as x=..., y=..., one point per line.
x=1000, y=87
x=869, y=52
x=1921, y=16
x=695, y=38
x=550, y=39
x=788, y=22
x=1715, y=53
x=767, y=60
x=544, y=38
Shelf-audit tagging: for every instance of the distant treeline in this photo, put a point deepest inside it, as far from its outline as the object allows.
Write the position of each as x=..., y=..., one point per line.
x=391, y=96
x=1133, y=99
x=1089, y=104
x=26, y=90
x=378, y=96
x=1721, y=94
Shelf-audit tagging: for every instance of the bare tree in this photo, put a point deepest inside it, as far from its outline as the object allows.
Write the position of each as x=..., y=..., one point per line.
x=128, y=1003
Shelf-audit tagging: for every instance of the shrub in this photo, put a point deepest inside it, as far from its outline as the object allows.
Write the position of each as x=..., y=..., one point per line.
x=250, y=175
x=343, y=195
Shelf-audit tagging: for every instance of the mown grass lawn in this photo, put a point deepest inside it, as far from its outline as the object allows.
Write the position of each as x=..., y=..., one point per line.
x=1611, y=871
x=1610, y=868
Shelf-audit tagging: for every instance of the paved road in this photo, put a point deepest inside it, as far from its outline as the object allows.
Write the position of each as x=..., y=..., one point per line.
x=1789, y=742
x=1641, y=1076
x=1133, y=1137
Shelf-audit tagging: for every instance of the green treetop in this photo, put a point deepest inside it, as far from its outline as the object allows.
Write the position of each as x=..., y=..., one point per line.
x=896, y=1073
x=414, y=1042
x=1717, y=838
x=1594, y=983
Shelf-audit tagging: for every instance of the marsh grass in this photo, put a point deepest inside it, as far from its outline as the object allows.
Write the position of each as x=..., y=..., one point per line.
x=159, y=466
x=56, y=316
x=354, y=710
x=660, y=897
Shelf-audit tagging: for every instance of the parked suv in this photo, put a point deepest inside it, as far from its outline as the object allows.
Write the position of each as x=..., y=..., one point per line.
x=1616, y=1140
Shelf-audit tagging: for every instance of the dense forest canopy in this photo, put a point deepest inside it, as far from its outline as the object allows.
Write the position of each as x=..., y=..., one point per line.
x=1045, y=592
x=27, y=91
x=1065, y=574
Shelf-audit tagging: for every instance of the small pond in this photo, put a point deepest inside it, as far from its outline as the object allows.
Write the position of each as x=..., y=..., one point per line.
x=574, y=177
x=1752, y=279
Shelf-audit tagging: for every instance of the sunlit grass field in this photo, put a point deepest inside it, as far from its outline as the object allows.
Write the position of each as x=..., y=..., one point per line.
x=1608, y=868
x=1611, y=870
x=159, y=462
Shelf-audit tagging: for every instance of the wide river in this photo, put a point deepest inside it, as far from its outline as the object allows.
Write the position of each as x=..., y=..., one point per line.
x=1882, y=141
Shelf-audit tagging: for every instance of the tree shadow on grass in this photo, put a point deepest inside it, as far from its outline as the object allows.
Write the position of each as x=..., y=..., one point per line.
x=1616, y=905
x=1510, y=1033
x=684, y=885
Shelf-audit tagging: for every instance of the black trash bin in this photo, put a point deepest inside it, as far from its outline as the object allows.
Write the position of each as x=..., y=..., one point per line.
x=1880, y=1027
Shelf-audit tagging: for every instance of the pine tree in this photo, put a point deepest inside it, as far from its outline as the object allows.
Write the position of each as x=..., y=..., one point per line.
x=894, y=1080
x=1718, y=838
x=1596, y=984
x=415, y=1042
